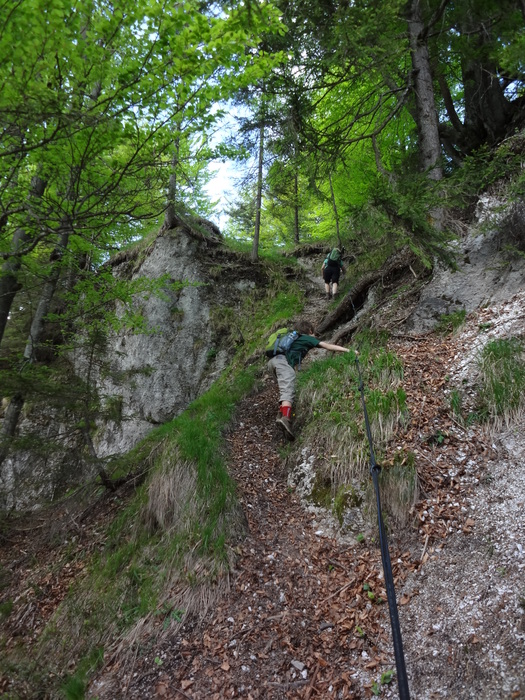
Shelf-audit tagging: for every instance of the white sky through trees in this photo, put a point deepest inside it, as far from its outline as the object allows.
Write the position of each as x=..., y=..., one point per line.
x=227, y=173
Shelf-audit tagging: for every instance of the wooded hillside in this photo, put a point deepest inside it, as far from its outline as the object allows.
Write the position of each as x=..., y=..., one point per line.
x=377, y=127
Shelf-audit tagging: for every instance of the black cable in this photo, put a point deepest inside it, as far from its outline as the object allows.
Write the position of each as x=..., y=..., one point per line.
x=402, y=680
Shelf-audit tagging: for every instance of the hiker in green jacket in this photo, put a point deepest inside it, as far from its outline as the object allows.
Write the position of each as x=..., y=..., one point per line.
x=283, y=366
x=331, y=270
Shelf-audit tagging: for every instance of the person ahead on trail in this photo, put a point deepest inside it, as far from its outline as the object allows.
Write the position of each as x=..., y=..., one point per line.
x=331, y=270
x=283, y=366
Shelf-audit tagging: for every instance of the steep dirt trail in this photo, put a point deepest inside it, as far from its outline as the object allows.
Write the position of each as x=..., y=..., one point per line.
x=318, y=304
x=287, y=627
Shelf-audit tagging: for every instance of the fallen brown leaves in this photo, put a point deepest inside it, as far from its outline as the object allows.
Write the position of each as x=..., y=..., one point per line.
x=42, y=557
x=438, y=441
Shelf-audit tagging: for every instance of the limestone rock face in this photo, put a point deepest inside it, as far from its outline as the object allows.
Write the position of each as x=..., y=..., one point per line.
x=144, y=379
x=155, y=376
x=490, y=262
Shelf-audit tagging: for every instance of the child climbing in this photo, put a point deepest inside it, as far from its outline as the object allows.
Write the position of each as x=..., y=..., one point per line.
x=331, y=270
x=284, y=363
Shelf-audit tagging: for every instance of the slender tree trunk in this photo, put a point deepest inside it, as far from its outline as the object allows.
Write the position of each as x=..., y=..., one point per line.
x=11, y=418
x=448, y=101
x=171, y=219
x=426, y=114
x=334, y=207
x=296, y=208
x=37, y=325
x=258, y=202
x=9, y=284
x=16, y=404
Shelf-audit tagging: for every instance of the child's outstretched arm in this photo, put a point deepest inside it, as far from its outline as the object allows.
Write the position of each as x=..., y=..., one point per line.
x=334, y=348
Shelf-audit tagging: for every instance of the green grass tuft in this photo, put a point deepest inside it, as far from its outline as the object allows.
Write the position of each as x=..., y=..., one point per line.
x=75, y=686
x=502, y=368
x=450, y=323
x=331, y=406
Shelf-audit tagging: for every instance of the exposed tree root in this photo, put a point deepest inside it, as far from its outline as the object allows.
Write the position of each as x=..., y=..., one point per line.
x=395, y=265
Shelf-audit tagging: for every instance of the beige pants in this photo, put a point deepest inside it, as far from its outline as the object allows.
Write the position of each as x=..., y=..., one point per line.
x=285, y=377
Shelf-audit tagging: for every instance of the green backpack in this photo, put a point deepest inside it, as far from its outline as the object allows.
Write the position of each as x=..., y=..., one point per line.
x=335, y=255
x=279, y=342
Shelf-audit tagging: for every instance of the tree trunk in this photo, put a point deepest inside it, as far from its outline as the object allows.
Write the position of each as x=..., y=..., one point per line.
x=37, y=325
x=258, y=203
x=11, y=418
x=426, y=115
x=296, y=209
x=448, y=101
x=334, y=207
x=9, y=284
x=16, y=404
x=171, y=220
